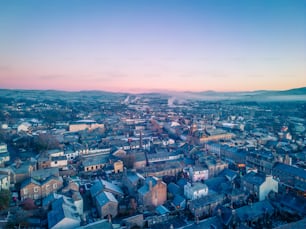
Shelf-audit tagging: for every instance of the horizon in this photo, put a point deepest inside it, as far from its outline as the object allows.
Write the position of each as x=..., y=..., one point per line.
x=152, y=91
x=146, y=47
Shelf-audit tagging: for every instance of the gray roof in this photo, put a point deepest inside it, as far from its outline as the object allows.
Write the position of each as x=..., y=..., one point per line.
x=161, y=210
x=255, y=210
x=42, y=174
x=103, y=185
x=104, y=198
x=97, y=160
x=254, y=178
x=173, y=188
x=112, y=187
x=206, y=223
x=60, y=211
x=29, y=181
x=291, y=170
x=146, y=187
x=178, y=199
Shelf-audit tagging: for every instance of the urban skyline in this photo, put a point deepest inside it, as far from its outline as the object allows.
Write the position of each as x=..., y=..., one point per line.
x=138, y=46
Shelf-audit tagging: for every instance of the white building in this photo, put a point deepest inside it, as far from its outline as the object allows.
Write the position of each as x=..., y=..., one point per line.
x=4, y=154
x=195, y=190
x=198, y=173
x=4, y=182
x=259, y=184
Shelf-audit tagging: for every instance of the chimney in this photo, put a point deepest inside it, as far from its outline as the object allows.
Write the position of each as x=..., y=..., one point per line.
x=150, y=185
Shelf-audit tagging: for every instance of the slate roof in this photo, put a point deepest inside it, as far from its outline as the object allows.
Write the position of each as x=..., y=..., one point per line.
x=103, y=185
x=178, y=199
x=28, y=181
x=294, y=171
x=254, y=178
x=161, y=210
x=229, y=174
x=61, y=210
x=104, y=198
x=173, y=188
x=255, y=210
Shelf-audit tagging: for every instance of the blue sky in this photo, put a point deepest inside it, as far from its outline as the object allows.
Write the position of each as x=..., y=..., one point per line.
x=153, y=45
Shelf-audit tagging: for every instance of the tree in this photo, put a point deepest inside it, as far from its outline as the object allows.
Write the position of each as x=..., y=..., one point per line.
x=5, y=196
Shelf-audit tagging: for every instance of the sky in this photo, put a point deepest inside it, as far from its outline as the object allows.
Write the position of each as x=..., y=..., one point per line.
x=153, y=45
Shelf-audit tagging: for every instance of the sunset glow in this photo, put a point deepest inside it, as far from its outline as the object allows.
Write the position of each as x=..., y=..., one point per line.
x=138, y=46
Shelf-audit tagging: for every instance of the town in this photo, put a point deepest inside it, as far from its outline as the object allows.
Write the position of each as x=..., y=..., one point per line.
x=117, y=160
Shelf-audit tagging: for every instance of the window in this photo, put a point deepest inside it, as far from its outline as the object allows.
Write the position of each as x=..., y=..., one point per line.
x=47, y=187
x=25, y=191
x=55, y=186
x=35, y=189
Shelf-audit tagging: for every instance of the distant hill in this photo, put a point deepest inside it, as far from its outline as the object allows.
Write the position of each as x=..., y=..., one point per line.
x=298, y=94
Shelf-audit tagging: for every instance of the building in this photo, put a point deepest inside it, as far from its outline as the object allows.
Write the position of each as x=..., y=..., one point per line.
x=153, y=192
x=4, y=182
x=92, y=163
x=58, y=162
x=63, y=215
x=215, y=166
x=132, y=181
x=290, y=178
x=84, y=125
x=103, y=185
x=118, y=166
x=204, y=206
x=216, y=135
x=4, y=154
x=259, y=185
x=262, y=161
x=195, y=190
x=198, y=173
x=35, y=190
x=106, y=204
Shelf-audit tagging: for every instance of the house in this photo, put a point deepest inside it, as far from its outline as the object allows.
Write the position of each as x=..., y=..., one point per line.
x=118, y=166
x=31, y=188
x=74, y=197
x=4, y=182
x=94, y=163
x=153, y=192
x=106, y=204
x=42, y=174
x=291, y=178
x=4, y=154
x=252, y=214
x=103, y=185
x=198, y=173
x=215, y=166
x=132, y=181
x=259, y=184
x=196, y=190
x=21, y=170
x=204, y=206
x=43, y=161
x=63, y=215
x=58, y=161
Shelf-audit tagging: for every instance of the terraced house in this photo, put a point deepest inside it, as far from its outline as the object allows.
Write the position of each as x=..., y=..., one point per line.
x=35, y=190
